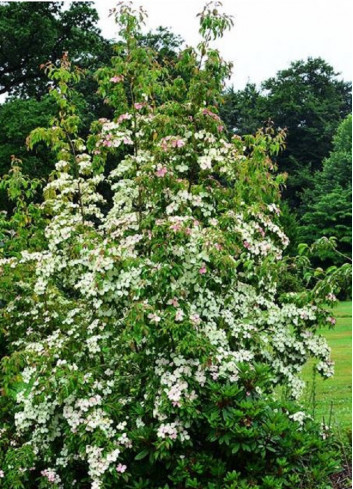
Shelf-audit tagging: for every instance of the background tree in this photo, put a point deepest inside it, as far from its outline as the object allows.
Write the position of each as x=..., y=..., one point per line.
x=17, y=119
x=327, y=206
x=165, y=44
x=33, y=33
x=242, y=109
x=309, y=100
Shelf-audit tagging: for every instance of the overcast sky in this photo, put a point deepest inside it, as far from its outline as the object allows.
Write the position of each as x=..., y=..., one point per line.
x=267, y=35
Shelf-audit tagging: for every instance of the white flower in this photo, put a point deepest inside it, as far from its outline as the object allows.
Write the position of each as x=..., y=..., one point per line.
x=179, y=315
x=154, y=318
x=205, y=162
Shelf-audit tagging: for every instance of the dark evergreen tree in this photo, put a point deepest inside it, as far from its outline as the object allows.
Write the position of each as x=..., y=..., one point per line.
x=327, y=206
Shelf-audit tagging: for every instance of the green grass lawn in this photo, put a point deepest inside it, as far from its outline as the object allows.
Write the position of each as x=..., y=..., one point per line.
x=336, y=391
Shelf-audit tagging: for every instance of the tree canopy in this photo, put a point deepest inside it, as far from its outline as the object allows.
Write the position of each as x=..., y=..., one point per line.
x=310, y=101
x=33, y=33
x=327, y=206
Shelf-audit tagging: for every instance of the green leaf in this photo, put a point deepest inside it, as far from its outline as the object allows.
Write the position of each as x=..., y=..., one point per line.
x=142, y=454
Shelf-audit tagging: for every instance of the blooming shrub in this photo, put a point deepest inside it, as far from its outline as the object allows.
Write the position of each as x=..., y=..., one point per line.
x=145, y=337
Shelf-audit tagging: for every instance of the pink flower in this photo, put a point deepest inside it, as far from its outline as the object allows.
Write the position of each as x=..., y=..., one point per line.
x=172, y=142
x=49, y=474
x=107, y=143
x=124, y=117
x=175, y=227
x=154, y=318
x=117, y=78
x=164, y=144
x=161, y=172
x=331, y=320
x=203, y=270
x=218, y=246
x=220, y=128
x=121, y=468
x=138, y=105
x=246, y=244
x=178, y=143
x=174, y=302
x=211, y=114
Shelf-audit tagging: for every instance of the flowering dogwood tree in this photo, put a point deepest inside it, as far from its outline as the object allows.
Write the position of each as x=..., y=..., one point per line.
x=145, y=335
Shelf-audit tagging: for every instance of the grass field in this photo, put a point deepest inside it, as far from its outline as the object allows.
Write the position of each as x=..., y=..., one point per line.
x=332, y=398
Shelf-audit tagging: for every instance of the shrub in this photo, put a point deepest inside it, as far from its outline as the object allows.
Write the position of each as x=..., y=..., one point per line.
x=146, y=336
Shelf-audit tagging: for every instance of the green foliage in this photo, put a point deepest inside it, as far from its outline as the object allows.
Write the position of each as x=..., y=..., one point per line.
x=21, y=227
x=245, y=440
x=310, y=101
x=289, y=222
x=327, y=206
x=242, y=110
x=17, y=119
x=334, y=279
x=33, y=33
x=163, y=42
